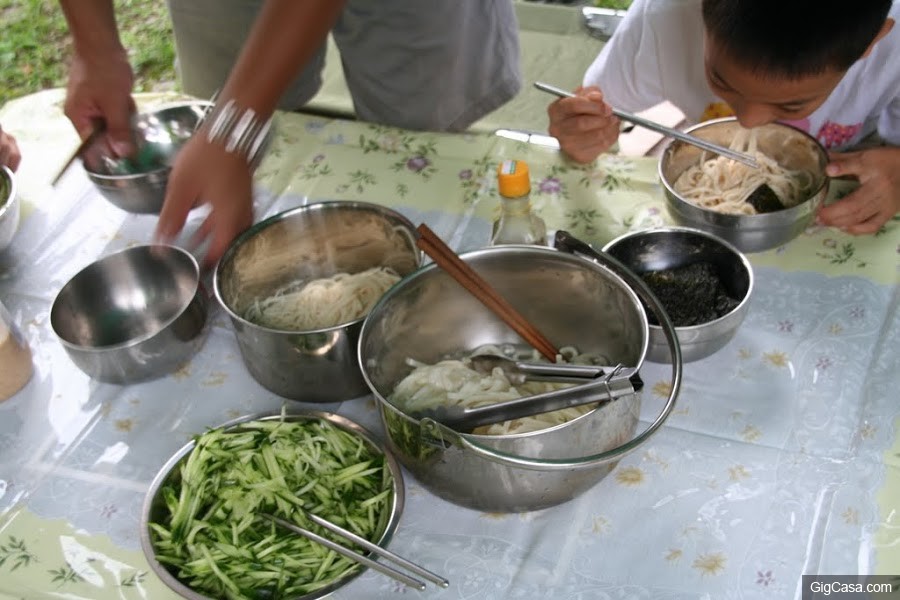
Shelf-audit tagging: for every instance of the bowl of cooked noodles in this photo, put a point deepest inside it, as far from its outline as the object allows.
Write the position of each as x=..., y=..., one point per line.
x=418, y=350
x=755, y=209
x=298, y=285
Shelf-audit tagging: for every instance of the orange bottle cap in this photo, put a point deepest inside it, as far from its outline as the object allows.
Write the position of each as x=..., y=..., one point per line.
x=513, y=179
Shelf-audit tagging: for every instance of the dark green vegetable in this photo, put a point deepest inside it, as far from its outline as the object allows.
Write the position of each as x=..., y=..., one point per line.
x=691, y=295
x=213, y=540
x=764, y=199
x=4, y=190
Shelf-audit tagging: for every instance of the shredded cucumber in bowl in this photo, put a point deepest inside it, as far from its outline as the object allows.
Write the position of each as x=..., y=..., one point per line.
x=210, y=534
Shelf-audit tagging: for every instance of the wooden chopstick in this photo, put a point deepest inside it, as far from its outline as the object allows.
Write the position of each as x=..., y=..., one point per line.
x=433, y=246
x=98, y=128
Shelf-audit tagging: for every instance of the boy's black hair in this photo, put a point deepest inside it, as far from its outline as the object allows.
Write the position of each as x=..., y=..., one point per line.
x=794, y=38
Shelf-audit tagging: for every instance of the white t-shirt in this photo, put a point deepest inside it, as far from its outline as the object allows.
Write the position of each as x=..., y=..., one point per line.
x=656, y=54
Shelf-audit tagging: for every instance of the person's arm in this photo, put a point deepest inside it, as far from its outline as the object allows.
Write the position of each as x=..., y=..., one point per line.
x=100, y=76
x=284, y=36
x=9, y=151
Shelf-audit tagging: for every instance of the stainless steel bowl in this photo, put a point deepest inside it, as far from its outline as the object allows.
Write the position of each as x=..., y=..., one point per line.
x=790, y=147
x=428, y=316
x=134, y=315
x=9, y=207
x=138, y=184
x=313, y=241
x=671, y=247
x=154, y=508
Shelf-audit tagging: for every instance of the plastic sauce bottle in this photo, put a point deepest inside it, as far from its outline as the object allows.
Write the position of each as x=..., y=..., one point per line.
x=517, y=224
x=15, y=357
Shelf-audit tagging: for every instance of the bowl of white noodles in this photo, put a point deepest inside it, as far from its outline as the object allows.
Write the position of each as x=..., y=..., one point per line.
x=754, y=209
x=298, y=285
x=416, y=353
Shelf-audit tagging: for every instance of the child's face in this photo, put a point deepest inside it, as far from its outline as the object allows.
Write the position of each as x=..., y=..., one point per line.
x=757, y=99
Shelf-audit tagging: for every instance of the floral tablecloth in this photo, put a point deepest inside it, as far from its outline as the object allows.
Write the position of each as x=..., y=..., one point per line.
x=782, y=456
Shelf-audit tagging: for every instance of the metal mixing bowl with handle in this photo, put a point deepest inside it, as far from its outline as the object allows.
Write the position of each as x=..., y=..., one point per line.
x=573, y=301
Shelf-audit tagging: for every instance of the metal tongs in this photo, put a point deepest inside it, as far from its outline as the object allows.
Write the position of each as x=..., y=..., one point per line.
x=361, y=559
x=600, y=384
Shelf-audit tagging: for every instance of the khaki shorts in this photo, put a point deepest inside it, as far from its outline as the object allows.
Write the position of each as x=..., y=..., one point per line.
x=434, y=65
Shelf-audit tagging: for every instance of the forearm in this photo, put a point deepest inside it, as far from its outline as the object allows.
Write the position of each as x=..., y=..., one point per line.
x=284, y=37
x=92, y=24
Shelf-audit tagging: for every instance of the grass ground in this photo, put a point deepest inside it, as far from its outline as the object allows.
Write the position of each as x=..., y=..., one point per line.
x=34, y=45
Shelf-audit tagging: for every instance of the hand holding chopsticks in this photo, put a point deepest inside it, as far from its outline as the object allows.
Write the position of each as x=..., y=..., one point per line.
x=364, y=543
x=667, y=131
x=434, y=247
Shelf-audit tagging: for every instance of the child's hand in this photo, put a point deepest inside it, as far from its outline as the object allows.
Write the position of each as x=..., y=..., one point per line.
x=584, y=126
x=9, y=151
x=875, y=201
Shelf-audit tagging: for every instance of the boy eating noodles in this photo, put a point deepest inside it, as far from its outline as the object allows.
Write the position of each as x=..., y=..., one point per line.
x=828, y=68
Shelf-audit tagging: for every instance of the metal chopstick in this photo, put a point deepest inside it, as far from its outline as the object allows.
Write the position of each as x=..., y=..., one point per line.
x=363, y=560
x=668, y=131
x=375, y=548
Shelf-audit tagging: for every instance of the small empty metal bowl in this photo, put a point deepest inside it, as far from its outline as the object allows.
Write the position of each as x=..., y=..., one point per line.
x=9, y=207
x=788, y=146
x=137, y=184
x=134, y=315
x=673, y=247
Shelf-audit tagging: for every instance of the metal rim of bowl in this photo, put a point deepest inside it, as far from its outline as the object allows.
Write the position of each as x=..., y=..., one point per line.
x=711, y=236
x=6, y=203
x=340, y=421
x=756, y=221
x=324, y=205
x=198, y=289
x=109, y=180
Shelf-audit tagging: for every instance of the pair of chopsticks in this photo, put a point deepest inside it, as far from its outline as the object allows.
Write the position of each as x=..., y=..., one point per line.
x=667, y=131
x=434, y=247
x=99, y=127
x=364, y=543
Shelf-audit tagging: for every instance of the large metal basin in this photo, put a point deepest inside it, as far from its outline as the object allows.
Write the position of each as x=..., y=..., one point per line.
x=429, y=316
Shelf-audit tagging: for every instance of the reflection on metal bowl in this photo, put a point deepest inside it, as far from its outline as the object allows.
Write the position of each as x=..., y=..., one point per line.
x=310, y=242
x=674, y=247
x=788, y=146
x=134, y=315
